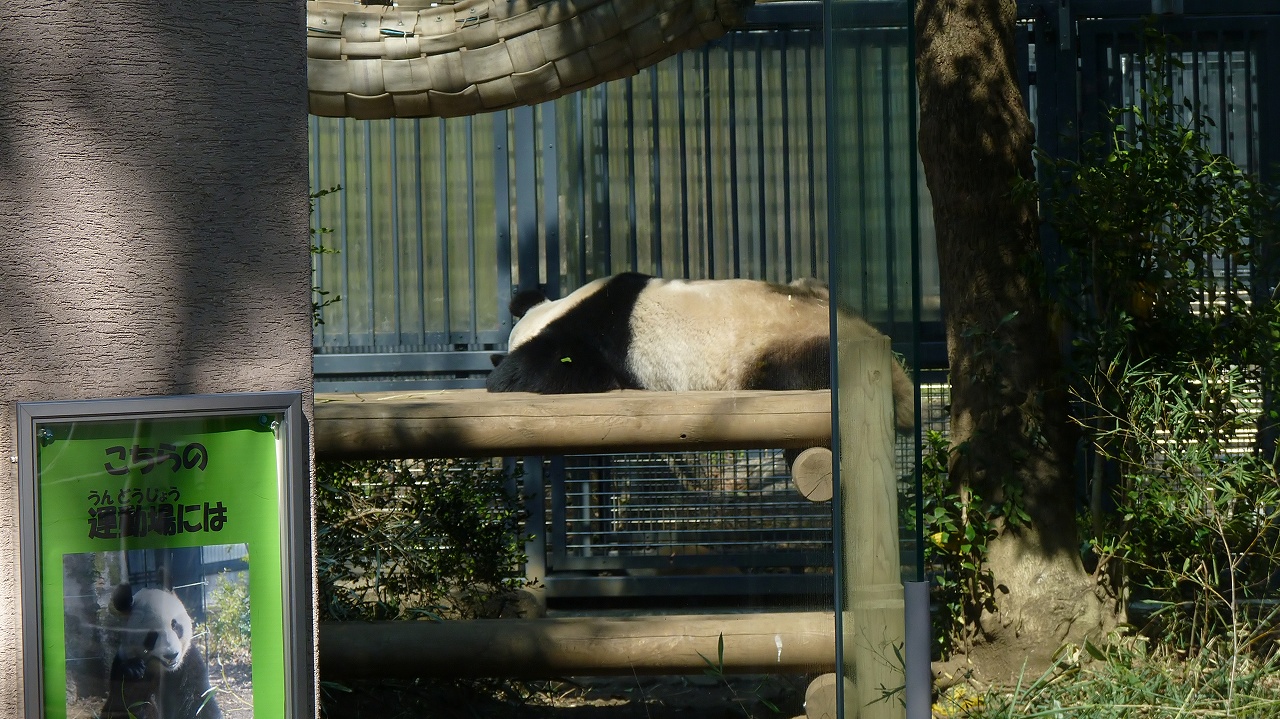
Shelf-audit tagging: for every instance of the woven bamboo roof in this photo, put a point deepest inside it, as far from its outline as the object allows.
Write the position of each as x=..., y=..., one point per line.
x=449, y=58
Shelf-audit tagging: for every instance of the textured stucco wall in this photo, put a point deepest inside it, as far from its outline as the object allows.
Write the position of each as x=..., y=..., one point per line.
x=153, y=214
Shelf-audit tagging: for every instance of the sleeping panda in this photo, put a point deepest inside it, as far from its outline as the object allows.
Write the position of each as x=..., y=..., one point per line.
x=157, y=673
x=633, y=331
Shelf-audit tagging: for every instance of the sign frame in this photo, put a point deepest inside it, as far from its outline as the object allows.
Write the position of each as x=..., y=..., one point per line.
x=289, y=428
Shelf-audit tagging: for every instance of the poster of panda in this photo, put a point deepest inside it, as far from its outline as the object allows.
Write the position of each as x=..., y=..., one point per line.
x=161, y=634
x=159, y=552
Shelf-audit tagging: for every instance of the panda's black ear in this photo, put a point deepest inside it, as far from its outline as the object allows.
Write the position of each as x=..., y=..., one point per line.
x=524, y=299
x=496, y=359
x=122, y=598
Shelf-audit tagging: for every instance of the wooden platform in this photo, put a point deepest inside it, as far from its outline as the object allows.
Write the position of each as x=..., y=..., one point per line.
x=466, y=423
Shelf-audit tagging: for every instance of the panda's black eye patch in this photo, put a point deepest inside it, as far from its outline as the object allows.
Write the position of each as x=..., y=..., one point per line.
x=149, y=642
x=177, y=628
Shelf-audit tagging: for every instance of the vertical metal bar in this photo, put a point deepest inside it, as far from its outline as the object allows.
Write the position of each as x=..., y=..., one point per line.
x=918, y=647
x=1250, y=48
x=682, y=139
x=1266, y=70
x=342, y=235
x=419, y=233
x=710, y=242
x=1224, y=115
x=832, y=42
x=864, y=239
x=1089, y=83
x=585, y=234
x=1223, y=133
x=784, y=46
x=559, y=517
x=533, y=485
x=655, y=171
x=394, y=163
x=473, y=290
x=502, y=215
x=887, y=153
x=735, y=237
x=316, y=219
x=812, y=143
x=913, y=197
x=527, y=255
x=1197, y=77
x=602, y=178
x=1268, y=98
x=762, y=240
x=371, y=303
x=551, y=197
x=632, y=232
x=446, y=270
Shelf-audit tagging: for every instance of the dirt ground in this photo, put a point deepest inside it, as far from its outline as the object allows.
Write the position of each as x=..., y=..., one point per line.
x=681, y=697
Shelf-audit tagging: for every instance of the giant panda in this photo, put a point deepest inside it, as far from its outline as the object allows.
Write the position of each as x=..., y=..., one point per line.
x=634, y=331
x=157, y=672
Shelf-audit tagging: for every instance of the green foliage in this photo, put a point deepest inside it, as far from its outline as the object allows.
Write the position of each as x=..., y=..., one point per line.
x=957, y=526
x=1158, y=230
x=716, y=671
x=1130, y=678
x=407, y=539
x=1173, y=355
x=320, y=297
x=227, y=619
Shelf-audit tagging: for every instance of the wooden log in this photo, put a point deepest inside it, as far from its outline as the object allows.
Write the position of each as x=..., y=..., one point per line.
x=778, y=642
x=820, y=698
x=874, y=622
x=470, y=423
x=811, y=474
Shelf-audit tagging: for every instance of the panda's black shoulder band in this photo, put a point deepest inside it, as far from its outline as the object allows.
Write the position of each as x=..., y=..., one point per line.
x=122, y=598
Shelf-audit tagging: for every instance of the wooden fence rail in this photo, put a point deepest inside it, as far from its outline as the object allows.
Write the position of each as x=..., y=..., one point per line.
x=468, y=423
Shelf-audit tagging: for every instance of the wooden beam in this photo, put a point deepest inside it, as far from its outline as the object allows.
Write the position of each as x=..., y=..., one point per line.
x=470, y=423
x=777, y=642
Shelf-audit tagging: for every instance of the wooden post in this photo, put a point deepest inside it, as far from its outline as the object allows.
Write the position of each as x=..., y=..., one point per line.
x=874, y=624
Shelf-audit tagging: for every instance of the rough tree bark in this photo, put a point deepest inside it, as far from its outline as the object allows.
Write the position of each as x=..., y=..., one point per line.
x=1008, y=411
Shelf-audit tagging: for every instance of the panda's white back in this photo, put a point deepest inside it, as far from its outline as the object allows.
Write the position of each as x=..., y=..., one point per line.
x=692, y=335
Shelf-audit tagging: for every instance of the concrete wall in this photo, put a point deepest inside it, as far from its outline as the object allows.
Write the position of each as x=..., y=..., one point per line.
x=153, y=214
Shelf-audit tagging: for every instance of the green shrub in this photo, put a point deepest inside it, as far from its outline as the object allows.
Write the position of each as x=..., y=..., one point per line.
x=406, y=539
x=1174, y=353
x=227, y=619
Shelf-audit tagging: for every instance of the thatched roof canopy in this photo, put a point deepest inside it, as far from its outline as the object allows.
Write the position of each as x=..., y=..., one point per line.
x=442, y=58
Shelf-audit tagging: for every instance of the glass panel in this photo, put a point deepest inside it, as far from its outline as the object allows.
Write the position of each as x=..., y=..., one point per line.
x=874, y=238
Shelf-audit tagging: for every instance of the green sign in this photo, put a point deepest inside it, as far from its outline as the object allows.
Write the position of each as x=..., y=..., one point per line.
x=162, y=546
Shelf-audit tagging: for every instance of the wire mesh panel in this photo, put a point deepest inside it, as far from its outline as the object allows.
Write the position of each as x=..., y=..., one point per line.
x=683, y=511
x=724, y=514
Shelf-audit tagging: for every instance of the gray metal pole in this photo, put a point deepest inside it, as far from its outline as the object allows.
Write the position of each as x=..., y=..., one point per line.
x=919, y=675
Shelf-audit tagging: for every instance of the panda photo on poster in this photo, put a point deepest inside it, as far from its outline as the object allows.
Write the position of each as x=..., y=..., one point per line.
x=143, y=628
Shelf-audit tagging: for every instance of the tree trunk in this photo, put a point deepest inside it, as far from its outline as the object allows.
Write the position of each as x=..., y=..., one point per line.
x=1008, y=405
